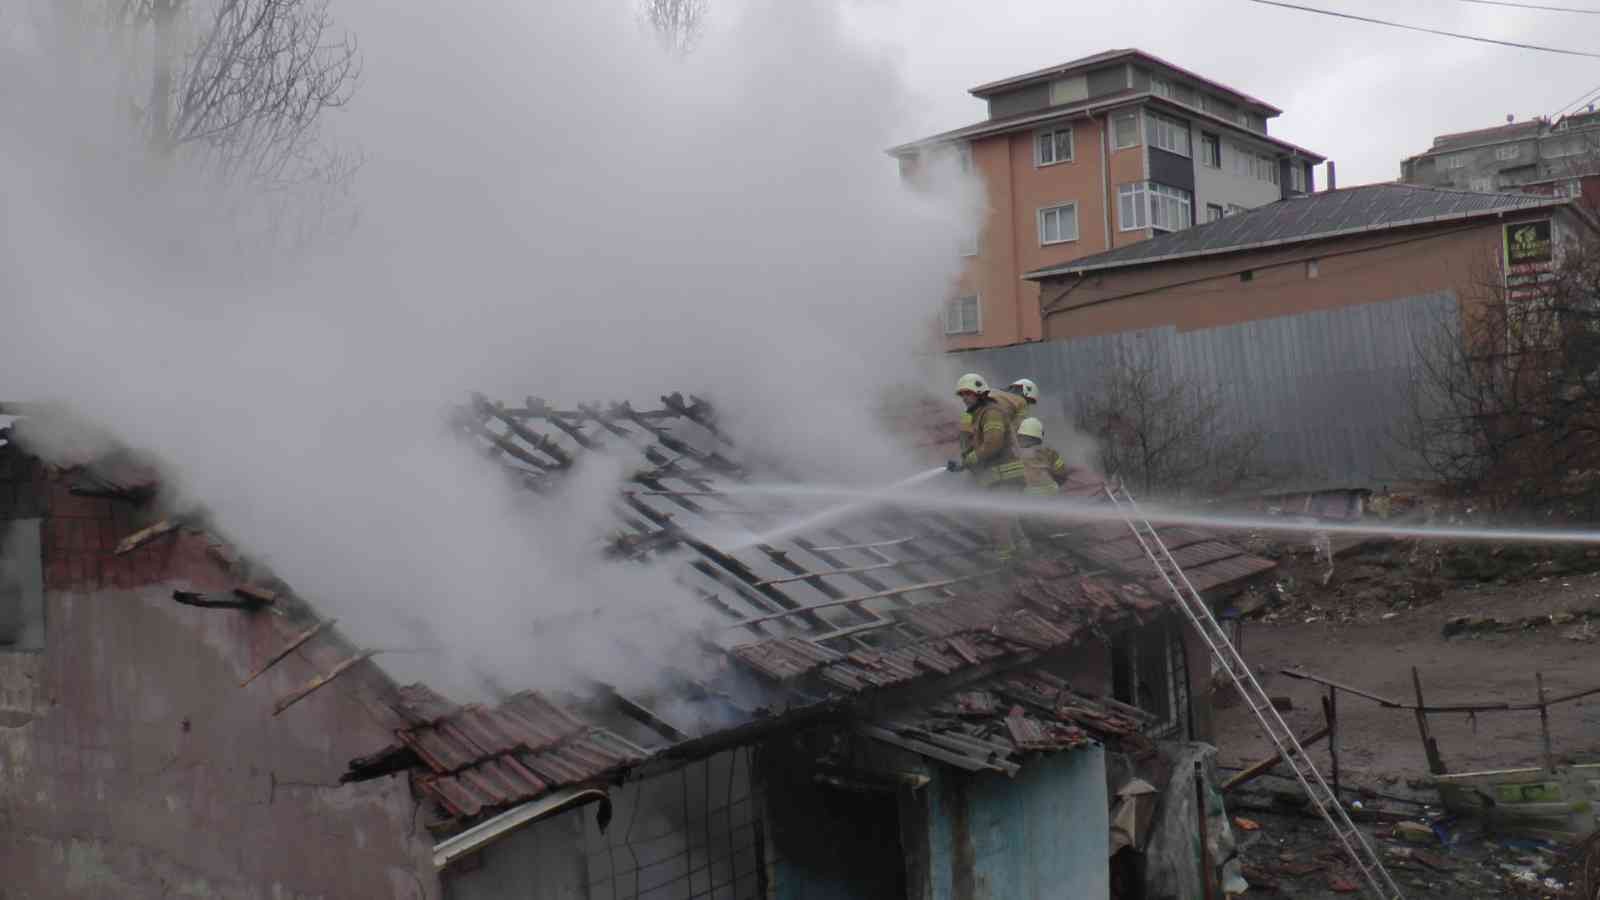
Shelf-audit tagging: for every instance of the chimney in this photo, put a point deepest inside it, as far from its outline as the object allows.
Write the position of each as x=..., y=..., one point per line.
x=1333, y=180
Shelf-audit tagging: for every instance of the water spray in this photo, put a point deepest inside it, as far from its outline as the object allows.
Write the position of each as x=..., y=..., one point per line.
x=833, y=513
x=1081, y=511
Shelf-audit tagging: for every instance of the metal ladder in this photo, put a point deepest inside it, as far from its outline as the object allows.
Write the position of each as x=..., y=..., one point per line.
x=1378, y=882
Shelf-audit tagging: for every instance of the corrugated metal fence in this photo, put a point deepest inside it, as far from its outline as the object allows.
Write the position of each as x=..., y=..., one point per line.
x=1324, y=388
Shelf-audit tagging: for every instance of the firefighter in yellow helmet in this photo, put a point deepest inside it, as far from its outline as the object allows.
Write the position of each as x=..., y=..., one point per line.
x=988, y=449
x=1043, y=471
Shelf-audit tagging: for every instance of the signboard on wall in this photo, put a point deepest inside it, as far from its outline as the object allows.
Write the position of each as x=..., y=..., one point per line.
x=1530, y=256
x=1528, y=242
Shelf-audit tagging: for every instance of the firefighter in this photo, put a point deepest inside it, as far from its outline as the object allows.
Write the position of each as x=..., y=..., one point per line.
x=1027, y=390
x=1043, y=469
x=1043, y=472
x=988, y=450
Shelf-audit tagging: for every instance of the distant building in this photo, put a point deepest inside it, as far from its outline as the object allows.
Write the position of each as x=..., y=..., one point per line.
x=1092, y=155
x=1534, y=156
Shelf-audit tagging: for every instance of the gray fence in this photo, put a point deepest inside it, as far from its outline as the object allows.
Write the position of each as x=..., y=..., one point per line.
x=1324, y=388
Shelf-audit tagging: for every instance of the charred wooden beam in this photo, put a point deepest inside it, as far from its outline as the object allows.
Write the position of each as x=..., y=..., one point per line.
x=388, y=761
x=319, y=682
x=190, y=598
x=699, y=413
x=537, y=408
x=642, y=714
x=532, y=438
x=849, y=601
x=1256, y=770
x=293, y=645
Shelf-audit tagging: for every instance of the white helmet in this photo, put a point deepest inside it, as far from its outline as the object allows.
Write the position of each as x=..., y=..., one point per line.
x=972, y=382
x=1026, y=388
x=1031, y=427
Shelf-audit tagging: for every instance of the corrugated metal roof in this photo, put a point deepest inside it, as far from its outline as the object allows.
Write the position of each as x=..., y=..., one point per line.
x=1311, y=217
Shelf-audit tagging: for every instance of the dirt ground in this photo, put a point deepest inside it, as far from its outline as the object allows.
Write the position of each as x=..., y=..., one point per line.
x=1477, y=622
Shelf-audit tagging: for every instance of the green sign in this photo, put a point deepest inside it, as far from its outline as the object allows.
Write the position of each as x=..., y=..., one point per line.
x=1528, y=242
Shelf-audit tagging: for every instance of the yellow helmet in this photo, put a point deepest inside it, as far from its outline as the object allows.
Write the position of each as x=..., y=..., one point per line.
x=1026, y=388
x=1031, y=427
x=972, y=382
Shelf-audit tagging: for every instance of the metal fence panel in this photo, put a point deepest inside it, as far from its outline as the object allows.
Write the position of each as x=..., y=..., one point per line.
x=1324, y=388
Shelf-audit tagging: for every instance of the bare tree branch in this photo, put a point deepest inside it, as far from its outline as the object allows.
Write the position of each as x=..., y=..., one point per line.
x=678, y=23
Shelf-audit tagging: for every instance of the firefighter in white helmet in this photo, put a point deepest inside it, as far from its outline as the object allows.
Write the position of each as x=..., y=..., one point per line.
x=988, y=449
x=1027, y=390
x=1043, y=473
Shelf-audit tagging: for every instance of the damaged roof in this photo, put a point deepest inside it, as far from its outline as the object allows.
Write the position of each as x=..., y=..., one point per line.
x=817, y=620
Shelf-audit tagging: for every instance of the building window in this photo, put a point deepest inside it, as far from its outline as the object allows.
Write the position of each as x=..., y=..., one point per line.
x=1171, y=135
x=1260, y=166
x=1235, y=209
x=1143, y=204
x=1508, y=152
x=1214, y=212
x=1211, y=150
x=1312, y=269
x=1125, y=130
x=1058, y=224
x=1481, y=183
x=1456, y=161
x=1297, y=176
x=961, y=316
x=1247, y=275
x=21, y=586
x=1240, y=117
x=1161, y=87
x=1051, y=147
x=969, y=240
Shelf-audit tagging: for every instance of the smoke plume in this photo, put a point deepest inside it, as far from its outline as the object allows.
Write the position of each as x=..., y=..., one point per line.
x=550, y=204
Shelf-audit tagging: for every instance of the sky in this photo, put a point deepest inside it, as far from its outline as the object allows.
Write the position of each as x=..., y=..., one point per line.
x=1363, y=95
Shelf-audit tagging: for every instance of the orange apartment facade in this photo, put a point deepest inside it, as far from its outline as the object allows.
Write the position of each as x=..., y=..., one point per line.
x=1092, y=155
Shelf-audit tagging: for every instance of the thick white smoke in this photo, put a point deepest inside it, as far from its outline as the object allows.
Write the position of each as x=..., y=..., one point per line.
x=549, y=205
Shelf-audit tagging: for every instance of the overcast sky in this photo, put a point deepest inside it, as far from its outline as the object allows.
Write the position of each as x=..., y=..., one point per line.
x=1363, y=95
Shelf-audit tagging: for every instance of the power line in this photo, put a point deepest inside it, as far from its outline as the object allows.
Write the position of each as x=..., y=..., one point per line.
x=1454, y=34
x=1588, y=95
x=1570, y=9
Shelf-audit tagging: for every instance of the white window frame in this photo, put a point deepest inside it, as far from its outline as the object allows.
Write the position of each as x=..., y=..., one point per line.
x=1508, y=152
x=1219, y=209
x=1161, y=87
x=1138, y=202
x=1170, y=201
x=1123, y=116
x=1207, y=140
x=1061, y=238
x=1159, y=127
x=1039, y=141
x=956, y=305
x=1234, y=209
x=1297, y=176
x=1455, y=161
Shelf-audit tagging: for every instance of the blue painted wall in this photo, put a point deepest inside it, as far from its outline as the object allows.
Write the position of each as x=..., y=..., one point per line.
x=1043, y=834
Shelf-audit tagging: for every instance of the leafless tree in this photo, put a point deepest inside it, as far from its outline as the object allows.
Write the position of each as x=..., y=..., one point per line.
x=1505, y=396
x=1165, y=436
x=241, y=85
x=678, y=23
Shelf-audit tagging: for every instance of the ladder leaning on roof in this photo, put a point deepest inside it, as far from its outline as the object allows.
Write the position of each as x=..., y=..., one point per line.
x=1356, y=845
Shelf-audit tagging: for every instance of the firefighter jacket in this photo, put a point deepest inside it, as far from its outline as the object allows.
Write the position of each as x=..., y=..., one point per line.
x=988, y=440
x=1043, y=470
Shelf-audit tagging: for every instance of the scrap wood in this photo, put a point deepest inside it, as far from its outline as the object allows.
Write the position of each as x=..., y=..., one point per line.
x=1246, y=824
x=145, y=535
x=256, y=593
x=314, y=684
x=1252, y=772
x=289, y=648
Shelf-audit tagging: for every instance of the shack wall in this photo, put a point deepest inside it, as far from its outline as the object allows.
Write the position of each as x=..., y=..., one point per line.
x=1043, y=834
x=133, y=765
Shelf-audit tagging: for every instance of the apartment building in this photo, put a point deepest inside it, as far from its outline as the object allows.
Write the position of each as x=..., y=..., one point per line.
x=1095, y=154
x=1535, y=156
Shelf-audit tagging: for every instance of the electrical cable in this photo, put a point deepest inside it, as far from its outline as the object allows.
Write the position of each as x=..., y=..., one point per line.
x=1425, y=30
x=1566, y=9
